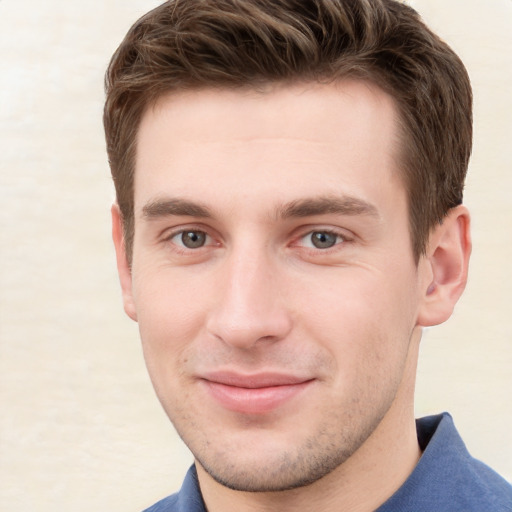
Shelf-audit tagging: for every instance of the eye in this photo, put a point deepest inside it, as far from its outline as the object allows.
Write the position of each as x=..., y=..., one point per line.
x=191, y=239
x=321, y=239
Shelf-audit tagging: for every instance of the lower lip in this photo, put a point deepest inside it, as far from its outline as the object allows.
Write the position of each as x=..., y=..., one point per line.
x=254, y=400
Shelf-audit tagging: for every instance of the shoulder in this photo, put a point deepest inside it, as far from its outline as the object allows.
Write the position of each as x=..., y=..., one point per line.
x=447, y=478
x=188, y=499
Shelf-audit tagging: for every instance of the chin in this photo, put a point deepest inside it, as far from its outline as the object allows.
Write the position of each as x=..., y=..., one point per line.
x=275, y=468
x=283, y=475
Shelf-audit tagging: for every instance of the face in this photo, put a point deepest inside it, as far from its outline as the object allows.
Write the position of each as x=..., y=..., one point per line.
x=272, y=277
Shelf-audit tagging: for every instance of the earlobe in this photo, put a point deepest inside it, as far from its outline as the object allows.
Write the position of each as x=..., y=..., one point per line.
x=446, y=263
x=123, y=267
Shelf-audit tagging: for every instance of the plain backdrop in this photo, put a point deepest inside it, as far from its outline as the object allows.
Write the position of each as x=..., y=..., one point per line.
x=80, y=427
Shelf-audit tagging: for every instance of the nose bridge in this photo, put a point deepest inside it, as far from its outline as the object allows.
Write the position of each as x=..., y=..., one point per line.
x=250, y=306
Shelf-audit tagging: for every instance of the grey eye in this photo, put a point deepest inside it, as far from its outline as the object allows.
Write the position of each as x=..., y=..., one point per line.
x=323, y=239
x=192, y=239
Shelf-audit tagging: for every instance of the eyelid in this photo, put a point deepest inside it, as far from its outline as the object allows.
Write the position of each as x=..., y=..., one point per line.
x=180, y=234
x=308, y=230
x=213, y=239
x=338, y=239
x=168, y=234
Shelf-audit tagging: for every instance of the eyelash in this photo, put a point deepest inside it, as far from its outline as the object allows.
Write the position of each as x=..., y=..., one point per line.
x=341, y=239
x=170, y=236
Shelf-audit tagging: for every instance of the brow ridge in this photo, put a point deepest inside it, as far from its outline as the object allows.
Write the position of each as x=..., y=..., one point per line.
x=307, y=207
x=159, y=208
x=342, y=205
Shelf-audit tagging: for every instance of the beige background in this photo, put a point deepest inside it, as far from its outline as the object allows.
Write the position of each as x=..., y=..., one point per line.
x=80, y=428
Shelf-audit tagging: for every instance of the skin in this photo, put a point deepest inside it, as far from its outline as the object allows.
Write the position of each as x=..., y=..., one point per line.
x=255, y=180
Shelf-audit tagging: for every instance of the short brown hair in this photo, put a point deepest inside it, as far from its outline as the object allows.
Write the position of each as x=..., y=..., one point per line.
x=184, y=44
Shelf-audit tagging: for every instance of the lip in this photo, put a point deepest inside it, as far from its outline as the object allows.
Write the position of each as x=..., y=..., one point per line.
x=256, y=393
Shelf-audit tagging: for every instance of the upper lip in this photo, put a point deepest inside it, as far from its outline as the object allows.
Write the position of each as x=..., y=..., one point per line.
x=254, y=380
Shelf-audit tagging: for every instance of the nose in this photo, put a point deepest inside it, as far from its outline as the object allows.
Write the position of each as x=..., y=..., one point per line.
x=250, y=308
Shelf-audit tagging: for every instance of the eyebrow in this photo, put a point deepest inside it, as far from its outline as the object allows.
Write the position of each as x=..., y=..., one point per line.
x=159, y=208
x=307, y=207
x=342, y=205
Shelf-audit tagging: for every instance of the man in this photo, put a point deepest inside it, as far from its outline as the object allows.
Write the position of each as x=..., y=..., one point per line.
x=289, y=216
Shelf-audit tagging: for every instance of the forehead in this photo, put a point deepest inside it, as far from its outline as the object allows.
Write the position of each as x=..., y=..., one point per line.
x=285, y=142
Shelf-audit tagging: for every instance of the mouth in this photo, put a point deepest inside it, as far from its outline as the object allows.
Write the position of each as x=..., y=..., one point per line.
x=254, y=394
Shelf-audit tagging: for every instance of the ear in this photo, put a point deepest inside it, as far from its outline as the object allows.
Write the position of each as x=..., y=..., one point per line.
x=446, y=267
x=123, y=267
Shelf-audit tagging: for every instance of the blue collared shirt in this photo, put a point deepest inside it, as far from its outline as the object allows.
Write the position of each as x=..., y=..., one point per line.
x=446, y=479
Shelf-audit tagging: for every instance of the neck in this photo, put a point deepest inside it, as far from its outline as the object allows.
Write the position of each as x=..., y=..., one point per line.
x=361, y=484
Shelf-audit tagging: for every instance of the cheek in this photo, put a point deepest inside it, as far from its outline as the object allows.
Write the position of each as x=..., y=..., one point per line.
x=364, y=318
x=170, y=315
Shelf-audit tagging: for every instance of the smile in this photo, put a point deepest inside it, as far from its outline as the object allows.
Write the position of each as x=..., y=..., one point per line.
x=254, y=394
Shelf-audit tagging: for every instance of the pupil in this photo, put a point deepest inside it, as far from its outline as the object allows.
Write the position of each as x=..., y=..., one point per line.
x=322, y=240
x=193, y=239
